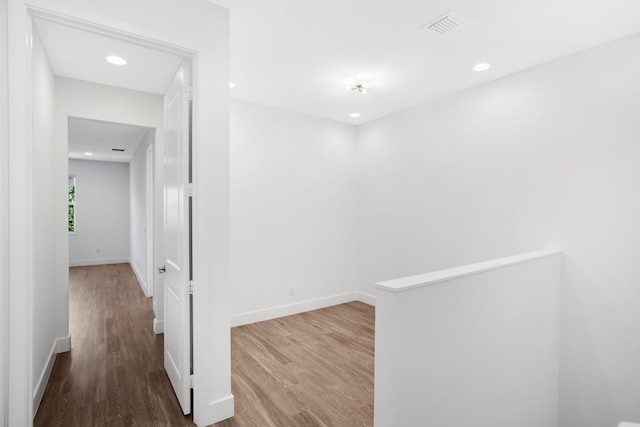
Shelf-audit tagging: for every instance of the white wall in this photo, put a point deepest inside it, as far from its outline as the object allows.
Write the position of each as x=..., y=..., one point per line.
x=78, y=98
x=546, y=157
x=4, y=219
x=138, y=212
x=43, y=221
x=102, y=213
x=475, y=345
x=292, y=212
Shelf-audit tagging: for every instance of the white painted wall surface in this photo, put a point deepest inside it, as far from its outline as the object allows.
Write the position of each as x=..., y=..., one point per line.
x=43, y=220
x=102, y=213
x=481, y=349
x=292, y=212
x=20, y=372
x=87, y=100
x=138, y=212
x=546, y=157
x=4, y=219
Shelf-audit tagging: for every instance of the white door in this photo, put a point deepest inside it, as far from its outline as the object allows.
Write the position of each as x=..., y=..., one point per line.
x=177, y=332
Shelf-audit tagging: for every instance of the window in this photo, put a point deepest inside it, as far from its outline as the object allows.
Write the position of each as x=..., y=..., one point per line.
x=72, y=204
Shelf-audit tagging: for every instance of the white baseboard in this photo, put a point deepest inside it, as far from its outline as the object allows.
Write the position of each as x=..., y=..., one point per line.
x=296, y=308
x=158, y=326
x=38, y=392
x=366, y=298
x=63, y=344
x=217, y=411
x=141, y=282
x=101, y=261
x=60, y=345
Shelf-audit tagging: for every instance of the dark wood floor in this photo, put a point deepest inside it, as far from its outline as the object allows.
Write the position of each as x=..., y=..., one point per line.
x=312, y=369
x=113, y=375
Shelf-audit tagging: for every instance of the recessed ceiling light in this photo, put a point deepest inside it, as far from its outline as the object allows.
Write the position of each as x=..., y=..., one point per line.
x=88, y=154
x=354, y=115
x=232, y=85
x=482, y=67
x=116, y=60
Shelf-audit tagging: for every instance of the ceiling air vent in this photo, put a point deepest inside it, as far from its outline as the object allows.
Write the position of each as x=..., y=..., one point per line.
x=445, y=24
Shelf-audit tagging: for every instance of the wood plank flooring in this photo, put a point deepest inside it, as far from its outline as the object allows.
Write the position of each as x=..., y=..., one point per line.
x=311, y=369
x=114, y=374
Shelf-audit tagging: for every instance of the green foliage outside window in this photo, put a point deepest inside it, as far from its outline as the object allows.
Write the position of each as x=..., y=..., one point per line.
x=72, y=208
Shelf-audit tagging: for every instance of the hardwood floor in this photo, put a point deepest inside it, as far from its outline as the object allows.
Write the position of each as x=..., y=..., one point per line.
x=311, y=369
x=114, y=374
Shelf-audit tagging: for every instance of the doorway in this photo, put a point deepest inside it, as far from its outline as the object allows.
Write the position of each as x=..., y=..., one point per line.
x=109, y=130
x=198, y=30
x=113, y=188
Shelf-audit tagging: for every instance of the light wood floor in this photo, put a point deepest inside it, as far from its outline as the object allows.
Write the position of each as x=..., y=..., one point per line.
x=312, y=369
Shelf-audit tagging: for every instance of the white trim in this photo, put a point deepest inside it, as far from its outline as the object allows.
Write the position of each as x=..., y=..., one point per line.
x=38, y=392
x=366, y=298
x=101, y=261
x=141, y=282
x=20, y=381
x=158, y=326
x=63, y=344
x=219, y=410
x=295, y=308
x=412, y=282
x=60, y=345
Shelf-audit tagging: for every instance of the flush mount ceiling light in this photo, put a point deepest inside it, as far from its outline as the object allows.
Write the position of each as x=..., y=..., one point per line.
x=481, y=67
x=116, y=60
x=232, y=85
x=88, y=154
x=358, y=86
x=354, y=115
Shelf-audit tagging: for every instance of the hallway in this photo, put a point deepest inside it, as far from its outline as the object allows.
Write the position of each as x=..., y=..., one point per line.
x=114, y=374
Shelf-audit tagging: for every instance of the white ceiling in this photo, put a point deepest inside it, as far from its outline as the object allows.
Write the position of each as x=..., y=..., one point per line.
x=99, y=138
x=296, y=54
x=82, y=55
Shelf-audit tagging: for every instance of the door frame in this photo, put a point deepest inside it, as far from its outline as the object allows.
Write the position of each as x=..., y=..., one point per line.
x=203, y=38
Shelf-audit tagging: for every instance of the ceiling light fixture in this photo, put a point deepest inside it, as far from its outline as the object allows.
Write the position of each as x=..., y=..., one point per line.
x=88, y=154
x=359, y=86
x=482, y=67
x=354, y=115
x=116, y=60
